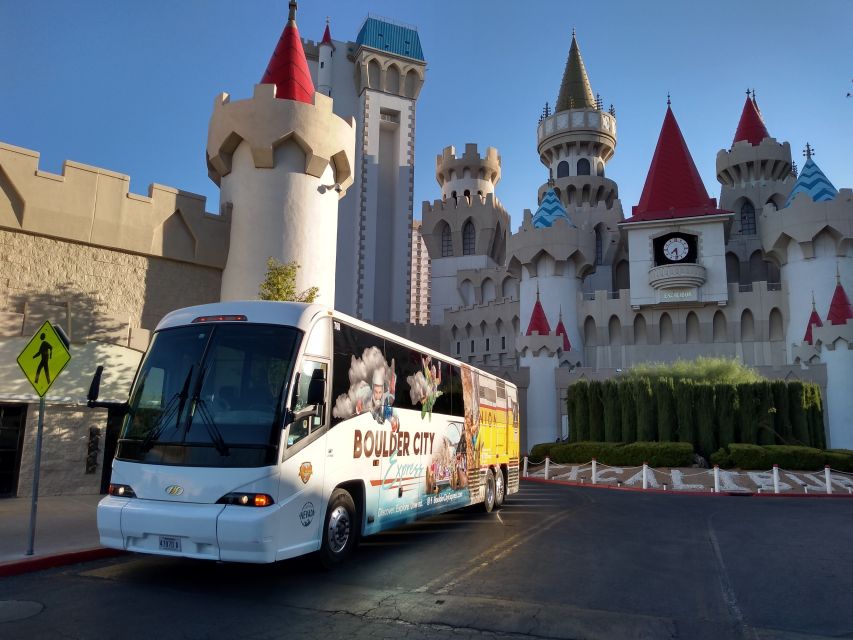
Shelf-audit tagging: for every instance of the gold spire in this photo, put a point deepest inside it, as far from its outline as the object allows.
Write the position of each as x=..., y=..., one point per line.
x=814, y=308
x=575, y=90
x=292, y=11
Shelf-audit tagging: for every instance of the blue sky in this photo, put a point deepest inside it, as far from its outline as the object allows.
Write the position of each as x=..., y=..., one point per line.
x=129, y=86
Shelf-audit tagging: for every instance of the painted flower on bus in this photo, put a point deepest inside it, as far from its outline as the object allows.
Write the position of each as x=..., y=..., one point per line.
x=423, y=386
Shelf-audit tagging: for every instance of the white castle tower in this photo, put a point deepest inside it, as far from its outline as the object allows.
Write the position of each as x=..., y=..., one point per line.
x=282, y=160
x=466, y=229
x=808, y=238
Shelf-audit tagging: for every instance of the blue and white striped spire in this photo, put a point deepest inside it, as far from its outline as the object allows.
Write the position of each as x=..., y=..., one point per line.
x=550, y=210
x=812, y=181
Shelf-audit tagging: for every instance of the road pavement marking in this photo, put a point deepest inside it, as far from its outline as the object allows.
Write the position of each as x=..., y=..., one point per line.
x=729, y=597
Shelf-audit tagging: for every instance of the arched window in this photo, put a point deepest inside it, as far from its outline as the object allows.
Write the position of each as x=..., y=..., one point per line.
x=640, y=336
x=770, y=205
x=468, y=238
x=600, y=170
x=665, y=329
x=776, y=324
x=747, y=219
x=747, y=326
x=563, y=169
x=614, y=330
x=488, y=289
x=732, y=268
x=468, y=195
x=692, y=327
x=720, y=332
x=589, y=332
x=583, y=167
x=446, y=242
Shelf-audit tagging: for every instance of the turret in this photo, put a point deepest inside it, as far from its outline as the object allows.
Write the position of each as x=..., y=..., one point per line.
x=467, y=228
x=755, y=174
x=282, y=160
x=326, y=51
x=807, y=239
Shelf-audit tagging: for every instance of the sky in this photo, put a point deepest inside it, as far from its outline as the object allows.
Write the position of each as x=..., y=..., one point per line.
x=129, y=86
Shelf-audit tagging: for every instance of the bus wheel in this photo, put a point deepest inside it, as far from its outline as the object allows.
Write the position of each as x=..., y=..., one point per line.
x=340, y=530
x=500, y=487
x=489, y=500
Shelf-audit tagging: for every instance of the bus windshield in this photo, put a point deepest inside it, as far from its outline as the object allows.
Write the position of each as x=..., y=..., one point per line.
x=210, y=395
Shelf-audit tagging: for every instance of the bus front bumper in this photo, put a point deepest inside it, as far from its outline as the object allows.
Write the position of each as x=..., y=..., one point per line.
x=203, y=531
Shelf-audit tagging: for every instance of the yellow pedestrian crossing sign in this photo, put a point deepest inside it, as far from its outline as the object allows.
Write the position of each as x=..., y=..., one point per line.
x=44, y=357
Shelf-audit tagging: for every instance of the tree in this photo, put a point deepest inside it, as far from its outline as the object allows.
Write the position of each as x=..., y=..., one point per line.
x=280, y=283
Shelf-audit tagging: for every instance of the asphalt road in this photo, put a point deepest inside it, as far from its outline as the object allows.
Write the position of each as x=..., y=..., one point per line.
x=555, y=562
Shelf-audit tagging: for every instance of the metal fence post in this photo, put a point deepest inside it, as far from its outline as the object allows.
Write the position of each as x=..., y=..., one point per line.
x=645, y=476
x=547, y=466
x=828, y=477
x=524, y=473
x=594, y=471
x=716, y=478
x=775, y=478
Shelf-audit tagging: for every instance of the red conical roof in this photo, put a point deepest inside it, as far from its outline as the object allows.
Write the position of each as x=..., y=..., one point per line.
x=673, y=187
x=814, y=319
x=538, y=321
x=327, y=36
x=561, y=331
x=751, y=126
x=287, y=68
x=840, y=310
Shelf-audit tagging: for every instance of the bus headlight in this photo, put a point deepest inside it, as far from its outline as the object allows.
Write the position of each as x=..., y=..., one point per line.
x=246, y=499
x=121, y=491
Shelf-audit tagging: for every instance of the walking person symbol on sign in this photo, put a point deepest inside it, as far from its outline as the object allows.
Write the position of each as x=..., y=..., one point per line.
x=45, y=352
x=44, y=357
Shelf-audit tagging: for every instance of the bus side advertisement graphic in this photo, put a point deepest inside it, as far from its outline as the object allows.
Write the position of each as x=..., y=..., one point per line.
x=426, y=454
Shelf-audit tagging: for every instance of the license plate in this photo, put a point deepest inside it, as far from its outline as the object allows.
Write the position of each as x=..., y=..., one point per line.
x=169, y=543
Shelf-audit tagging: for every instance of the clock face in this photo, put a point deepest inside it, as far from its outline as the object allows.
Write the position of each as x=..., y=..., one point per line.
x=675, y=249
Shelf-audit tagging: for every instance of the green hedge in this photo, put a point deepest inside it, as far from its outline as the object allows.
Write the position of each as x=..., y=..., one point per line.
x=708, y=416
x=541, y=451
x=753, y=456
x=656, y=454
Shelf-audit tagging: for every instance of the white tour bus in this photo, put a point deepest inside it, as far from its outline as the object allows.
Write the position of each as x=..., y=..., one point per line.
x=258, y=431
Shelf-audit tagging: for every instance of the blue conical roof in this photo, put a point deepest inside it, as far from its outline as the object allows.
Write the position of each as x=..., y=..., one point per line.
x=550, y=209
x=813, y=182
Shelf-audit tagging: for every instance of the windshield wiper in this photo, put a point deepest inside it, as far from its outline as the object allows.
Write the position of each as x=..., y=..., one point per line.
x=212, y=429
x=176, y=401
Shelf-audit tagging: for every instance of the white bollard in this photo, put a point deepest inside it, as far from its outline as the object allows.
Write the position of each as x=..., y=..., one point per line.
x=525, y=466
x=645, y=478
x=547, y=466
x=775, y=478
x=594, y=471
x=828, y=476
x=716, y=478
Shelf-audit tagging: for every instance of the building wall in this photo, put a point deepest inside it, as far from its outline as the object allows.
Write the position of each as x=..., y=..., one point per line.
x=419, y=299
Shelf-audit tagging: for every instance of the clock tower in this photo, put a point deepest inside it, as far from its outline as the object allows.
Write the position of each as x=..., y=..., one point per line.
x=676, y=235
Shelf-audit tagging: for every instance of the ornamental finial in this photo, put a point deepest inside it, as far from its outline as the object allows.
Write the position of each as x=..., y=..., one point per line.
x=292, y=10
x=808, y=152
x=668, y=101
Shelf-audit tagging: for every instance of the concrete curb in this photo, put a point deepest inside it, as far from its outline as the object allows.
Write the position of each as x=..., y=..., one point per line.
x=40, y=563
x=739, y=494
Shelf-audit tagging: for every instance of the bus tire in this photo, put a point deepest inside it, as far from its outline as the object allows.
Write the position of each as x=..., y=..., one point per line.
x=500, y=487
x=340, y=529
x=489, y=490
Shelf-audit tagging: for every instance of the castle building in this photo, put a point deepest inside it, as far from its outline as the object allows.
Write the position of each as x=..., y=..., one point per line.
x=419, y=301
x=681, y=277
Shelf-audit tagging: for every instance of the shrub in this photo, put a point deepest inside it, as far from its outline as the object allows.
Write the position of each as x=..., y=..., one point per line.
x=782, y=417
x=766, y=414
x=580, y=427
x=596, y=412
x=722, y=458
x=646, y=427
x=748, y=413
x=839, y=459
x=685, y=416
x=797, y=412
x=612, y=412
x=752, y=456
x=706, y=431
x=726, y=408
x=667, y=426
x=571, y=401
x=814, y=416
x=710, y=370
x=541, y=451
x=656, y=454
x=629, y=411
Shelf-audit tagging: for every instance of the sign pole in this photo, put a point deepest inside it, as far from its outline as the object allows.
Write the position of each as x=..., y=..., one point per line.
x=36, y=467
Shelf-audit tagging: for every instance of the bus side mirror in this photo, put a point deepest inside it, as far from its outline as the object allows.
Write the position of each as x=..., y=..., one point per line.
x=317, y=388
x=95, y=387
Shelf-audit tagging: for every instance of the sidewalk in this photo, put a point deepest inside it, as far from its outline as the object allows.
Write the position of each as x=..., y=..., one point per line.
x=66, y=531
